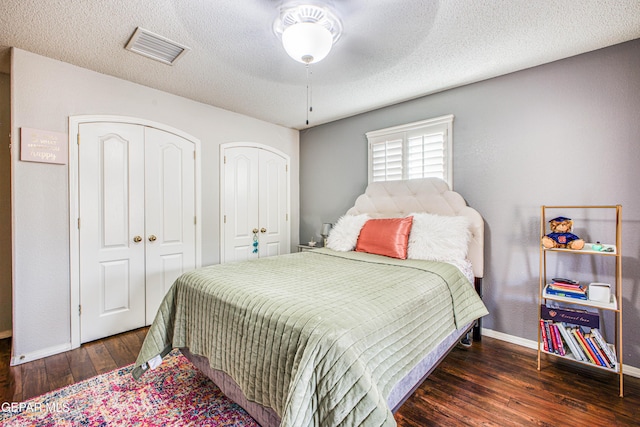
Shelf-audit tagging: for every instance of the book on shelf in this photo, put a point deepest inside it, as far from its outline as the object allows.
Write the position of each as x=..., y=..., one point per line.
x=583, y=344
x=567, y=291
x=571, y=343
x=551, y=339
x=546, y=333
x=610, y=363
x=606, y=349
x=557, y=339
x=569, y=284
x=543, y=332
x=597, y=354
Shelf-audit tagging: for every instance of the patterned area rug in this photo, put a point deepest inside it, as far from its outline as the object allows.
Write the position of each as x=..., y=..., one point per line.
x=174, y=394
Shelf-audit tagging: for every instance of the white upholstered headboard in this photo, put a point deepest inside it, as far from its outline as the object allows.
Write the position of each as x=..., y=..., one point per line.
x=399, y=198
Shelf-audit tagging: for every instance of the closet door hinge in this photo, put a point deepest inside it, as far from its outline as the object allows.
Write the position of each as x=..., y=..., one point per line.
x=225, y=160
x=195, y=220
x=225, y=219
x=78, y=138
x=78, y=223
x=79, y=310
x=286, y=168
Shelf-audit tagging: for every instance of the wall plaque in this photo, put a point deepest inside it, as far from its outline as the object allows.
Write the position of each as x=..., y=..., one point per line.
x=43, y=146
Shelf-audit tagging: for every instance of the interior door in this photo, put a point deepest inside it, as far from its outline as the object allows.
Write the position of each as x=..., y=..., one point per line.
x=111, y=229
x=169, y=213
x=137, y=223
x=241, y=189
x=273, y=200
x=256, y=204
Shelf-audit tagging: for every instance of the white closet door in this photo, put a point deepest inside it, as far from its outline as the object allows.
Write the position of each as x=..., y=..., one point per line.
x=112, y=249
x=255, y=198
x=137, y=223
x=170, y=213
x=273, y=201
x=241, y=190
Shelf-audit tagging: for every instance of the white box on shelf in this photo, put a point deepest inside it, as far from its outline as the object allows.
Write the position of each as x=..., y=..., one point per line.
x=600, y=292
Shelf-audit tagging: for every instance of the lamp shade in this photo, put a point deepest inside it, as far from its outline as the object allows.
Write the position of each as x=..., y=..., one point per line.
x=307, y=42
x=326, y=229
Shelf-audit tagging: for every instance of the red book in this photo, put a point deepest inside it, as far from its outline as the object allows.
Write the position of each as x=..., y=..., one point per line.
x=554, y=339
x=549, y=337
x=568, y=288
x=583, y=345
x=601, y=354
x=544, y=335
x=558, y=338
x=586, y=345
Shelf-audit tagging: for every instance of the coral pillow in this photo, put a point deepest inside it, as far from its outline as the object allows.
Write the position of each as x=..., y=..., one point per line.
x=388, y=237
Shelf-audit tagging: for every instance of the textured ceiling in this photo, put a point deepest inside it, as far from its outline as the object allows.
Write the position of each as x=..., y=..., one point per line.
x=390, y=51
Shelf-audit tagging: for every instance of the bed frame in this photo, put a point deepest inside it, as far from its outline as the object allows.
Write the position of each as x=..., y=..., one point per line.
x=384, y=200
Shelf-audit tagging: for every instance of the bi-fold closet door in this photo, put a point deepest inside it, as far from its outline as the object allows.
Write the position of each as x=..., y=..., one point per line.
x=255, y=217
x=136, y=223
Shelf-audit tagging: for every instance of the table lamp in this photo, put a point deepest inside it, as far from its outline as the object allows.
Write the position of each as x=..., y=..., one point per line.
x=326, y=229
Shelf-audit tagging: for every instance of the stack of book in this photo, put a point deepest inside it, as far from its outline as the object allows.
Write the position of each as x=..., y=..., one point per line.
x=566, y=288
x=585, y=345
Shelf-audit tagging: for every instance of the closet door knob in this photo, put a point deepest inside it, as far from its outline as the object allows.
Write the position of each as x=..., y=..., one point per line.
x=263, y=230
x=137, y=239
x=255, y=230
x=152, y=238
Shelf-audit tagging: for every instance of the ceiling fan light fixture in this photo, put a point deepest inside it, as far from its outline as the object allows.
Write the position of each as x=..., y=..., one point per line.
x=308, y=32
x=307, y=42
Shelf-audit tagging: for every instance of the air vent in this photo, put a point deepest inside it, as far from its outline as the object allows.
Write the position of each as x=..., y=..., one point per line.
x=155, y=47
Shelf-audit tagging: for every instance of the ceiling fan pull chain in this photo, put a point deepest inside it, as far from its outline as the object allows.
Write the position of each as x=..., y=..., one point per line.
x=310, y=89
x=308, y=92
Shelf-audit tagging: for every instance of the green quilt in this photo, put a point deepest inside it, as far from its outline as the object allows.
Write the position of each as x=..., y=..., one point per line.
x=319, y=336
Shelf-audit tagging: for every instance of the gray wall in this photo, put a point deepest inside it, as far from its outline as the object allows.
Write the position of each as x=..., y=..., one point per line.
x=5, y=207
x=562, y=133
x=45, y=93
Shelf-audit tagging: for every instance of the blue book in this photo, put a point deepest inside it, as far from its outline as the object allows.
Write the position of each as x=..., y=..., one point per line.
x=595, y=351
x=566, y=294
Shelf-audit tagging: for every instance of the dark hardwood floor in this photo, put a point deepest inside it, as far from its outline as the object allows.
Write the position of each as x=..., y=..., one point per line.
x=493, y=383
x=18, y=383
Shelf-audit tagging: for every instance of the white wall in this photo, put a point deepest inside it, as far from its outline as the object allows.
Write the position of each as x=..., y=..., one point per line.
x=45, y=93
x=5, y=207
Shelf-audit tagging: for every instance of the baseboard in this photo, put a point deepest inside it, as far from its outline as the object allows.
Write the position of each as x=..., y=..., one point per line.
x=5, y=334
x=627, y=369
x=30, y=357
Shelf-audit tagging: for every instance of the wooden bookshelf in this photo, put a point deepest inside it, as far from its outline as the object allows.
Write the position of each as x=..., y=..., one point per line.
x=614, y=251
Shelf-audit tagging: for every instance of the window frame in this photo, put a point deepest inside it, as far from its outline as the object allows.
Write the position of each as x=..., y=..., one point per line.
x=442, y=124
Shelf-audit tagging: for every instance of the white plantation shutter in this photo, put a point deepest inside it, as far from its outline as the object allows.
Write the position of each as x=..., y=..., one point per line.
x=386, y=160
x=425, y=156
x=415, y=150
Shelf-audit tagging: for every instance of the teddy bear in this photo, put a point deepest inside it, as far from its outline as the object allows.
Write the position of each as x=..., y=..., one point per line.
x=561, y=236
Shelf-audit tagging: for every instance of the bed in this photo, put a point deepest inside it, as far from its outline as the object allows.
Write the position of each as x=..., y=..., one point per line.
x=331, y=337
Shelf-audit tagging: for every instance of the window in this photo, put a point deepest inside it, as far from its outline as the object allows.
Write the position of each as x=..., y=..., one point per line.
x=416, y=150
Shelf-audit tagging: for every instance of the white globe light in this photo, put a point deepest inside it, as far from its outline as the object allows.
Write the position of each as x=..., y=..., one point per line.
x=307, y=42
